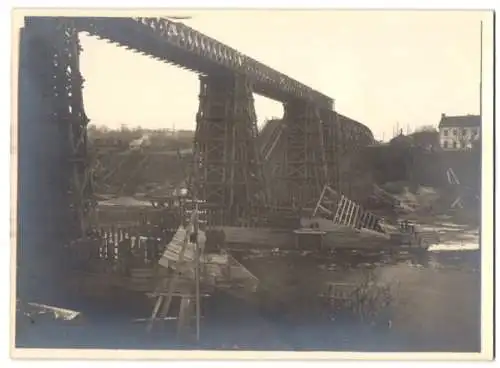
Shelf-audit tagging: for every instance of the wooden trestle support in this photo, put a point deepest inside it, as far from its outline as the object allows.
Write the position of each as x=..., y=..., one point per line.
x=330, y=143
x=230, y=175
x=305, y=169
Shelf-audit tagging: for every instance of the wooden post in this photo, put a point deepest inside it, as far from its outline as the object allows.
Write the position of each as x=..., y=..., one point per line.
x=197, y=258
x=318, y=204
x=356, y=215
x=183, y=317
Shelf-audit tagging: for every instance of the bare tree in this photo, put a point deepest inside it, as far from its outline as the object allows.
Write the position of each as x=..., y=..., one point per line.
x=426, y=128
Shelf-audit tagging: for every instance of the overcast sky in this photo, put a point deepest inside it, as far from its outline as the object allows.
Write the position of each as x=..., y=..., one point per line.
x=382, y=68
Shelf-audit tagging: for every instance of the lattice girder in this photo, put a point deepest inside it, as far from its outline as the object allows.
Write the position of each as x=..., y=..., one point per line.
x=177, y=43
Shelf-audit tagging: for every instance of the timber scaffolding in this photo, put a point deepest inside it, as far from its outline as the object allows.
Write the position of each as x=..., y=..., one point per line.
x=230, y=165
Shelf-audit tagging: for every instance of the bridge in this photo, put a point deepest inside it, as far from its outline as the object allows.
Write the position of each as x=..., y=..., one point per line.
x=310, y=142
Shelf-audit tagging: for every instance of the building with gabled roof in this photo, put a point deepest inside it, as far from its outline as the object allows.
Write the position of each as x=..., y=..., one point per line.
x=458, y=132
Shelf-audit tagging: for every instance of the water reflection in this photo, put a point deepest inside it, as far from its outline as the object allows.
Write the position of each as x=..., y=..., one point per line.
x=434, y=296
x=433, y=305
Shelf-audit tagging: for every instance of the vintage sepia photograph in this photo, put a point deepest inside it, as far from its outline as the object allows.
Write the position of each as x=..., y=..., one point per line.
x=252, y=181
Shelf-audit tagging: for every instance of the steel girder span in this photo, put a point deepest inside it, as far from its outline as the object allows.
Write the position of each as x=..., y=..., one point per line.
x=185, y=47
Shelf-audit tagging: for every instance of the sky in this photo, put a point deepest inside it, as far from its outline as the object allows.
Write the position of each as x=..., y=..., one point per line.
x=383, y=68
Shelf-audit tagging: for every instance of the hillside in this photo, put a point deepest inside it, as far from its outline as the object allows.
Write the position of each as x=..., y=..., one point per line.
x=132, y=161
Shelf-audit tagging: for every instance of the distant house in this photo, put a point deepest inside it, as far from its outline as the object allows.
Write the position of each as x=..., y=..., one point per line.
x=136, y=144
x=459, y=132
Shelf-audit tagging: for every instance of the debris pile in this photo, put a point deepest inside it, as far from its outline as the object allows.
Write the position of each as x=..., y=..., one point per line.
x=34, y=313
x=366, y=300
x=403, y=198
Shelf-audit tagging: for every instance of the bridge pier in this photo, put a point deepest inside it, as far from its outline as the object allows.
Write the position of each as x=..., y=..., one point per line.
x=331, y=145
x=230, y=172
x=53, y=185
x=349, y=175
x=305, y=168
x=359, y=174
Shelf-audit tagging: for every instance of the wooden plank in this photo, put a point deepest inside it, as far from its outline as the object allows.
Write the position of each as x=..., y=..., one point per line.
x=356, y=214
x=325, y=210
x=345, y=219
x=350, y=213
x=332, y=192
x=457, y=202
x=362, y=219
x=318, y=204
x=340, y=207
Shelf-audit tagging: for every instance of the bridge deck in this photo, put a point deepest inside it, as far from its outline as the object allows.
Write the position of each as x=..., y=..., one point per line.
x=181, y=45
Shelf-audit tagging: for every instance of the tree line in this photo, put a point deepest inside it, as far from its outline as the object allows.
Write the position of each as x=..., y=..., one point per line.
x=124, y=136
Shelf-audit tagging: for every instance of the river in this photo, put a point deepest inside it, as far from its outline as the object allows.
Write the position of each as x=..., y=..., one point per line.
x=435, y=306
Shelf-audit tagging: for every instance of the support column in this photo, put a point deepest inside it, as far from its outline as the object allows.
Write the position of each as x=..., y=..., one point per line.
x=343, y=156
x=230, y=173
x=76, y=121
x=305, y=164
x=53, y=184
x=329, y=142
x=361, y=175
x=338, y=151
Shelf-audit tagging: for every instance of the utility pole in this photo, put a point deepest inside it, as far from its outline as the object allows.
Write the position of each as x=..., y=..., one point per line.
x=197, y=245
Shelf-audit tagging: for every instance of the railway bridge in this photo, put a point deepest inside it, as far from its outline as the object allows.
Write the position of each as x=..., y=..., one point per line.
x=55, y=190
